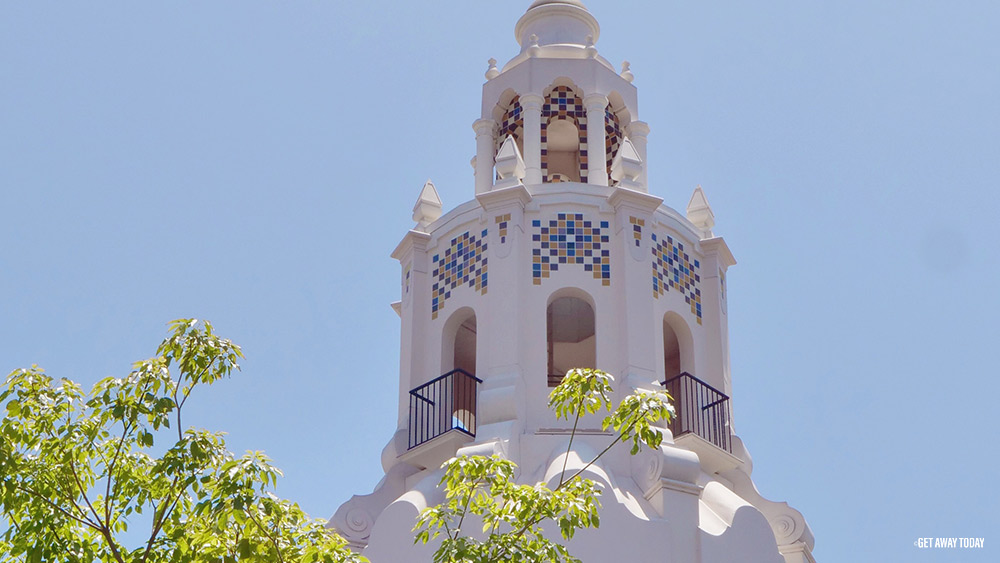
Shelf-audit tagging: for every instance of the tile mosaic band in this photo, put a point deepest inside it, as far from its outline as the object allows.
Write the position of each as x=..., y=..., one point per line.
x=674, y=269
x=463, y=263
x=570, y=239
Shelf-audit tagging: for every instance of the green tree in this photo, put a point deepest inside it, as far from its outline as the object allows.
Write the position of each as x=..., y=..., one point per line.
x=78, y=469
x=480, y=490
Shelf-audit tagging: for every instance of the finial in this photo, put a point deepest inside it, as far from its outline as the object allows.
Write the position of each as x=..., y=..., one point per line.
x=492, y=72
x=627, y=71
x=627, y=166
x=509, y=164
x=700, y=213
x=534, y=48
x=428, y=207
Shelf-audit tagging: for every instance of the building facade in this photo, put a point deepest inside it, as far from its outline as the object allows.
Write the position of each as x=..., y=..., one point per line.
x=565, y=259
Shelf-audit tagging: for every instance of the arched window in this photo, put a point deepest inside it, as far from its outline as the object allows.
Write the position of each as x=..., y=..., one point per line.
x=465, y=346
x=563, y=140
x=564, y=136
x=671, y=352
x=678, y=352
x=459, y=355
x=572, y=342
x=511, y=122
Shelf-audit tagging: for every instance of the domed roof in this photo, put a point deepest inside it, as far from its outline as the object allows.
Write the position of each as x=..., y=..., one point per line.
x=557, y=22
x=537, y=3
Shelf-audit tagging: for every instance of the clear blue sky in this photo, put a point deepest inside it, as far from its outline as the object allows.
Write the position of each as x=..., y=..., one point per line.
x=254, y=163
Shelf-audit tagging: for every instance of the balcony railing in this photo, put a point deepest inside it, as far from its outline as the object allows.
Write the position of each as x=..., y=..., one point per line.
x=443, y=404
x=701, y=409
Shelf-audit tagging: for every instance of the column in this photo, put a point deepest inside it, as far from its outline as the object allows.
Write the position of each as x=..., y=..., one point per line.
x=597, y=156
x=531, y=105
x=485, y=153
x=637, y=132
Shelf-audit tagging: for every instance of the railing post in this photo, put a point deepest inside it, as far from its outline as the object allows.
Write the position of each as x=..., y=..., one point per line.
x=700, y=408
x=443, y=404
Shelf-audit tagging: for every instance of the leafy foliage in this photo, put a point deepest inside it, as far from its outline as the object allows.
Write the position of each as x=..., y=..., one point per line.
x=78, y=469
x=509, y=518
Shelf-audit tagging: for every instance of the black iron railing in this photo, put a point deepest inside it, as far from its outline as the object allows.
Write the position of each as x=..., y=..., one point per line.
x=701, y=409
x=443, y=404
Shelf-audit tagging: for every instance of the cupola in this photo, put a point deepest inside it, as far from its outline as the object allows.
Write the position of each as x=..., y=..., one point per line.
x=557, y=22
x=566, y=108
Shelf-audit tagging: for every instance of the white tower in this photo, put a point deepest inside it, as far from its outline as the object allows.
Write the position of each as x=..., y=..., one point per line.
x=563, y=260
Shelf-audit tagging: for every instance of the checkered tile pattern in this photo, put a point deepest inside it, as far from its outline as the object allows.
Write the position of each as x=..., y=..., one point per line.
x=463, y=263
x=612, y=137
x=570, y=239
x=512, y=123
x=563, y=103
x=502, y=221
x=637, y=225
x=674, y=269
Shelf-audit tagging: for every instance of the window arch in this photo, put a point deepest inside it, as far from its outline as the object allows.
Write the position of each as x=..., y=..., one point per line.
x=564, y=136
x=571, y=335
x=678, y=351
x=511, y=122
x=458, y=342
x=616, y=118
x=458, y=352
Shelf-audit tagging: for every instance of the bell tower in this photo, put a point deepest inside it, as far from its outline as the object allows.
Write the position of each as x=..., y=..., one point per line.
x=565, y=107
x=565, y=259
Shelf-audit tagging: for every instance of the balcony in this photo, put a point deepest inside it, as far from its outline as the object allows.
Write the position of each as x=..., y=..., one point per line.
x=702, y=411
x=444, y=404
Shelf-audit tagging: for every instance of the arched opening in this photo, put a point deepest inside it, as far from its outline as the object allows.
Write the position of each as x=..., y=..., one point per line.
x=465, y=346
x=572, y=341
x=671, y=352
x=564, y=135
x=563, y=140
x=613, y=129
x=510, y=119
x=458, y=362
x=678, y=347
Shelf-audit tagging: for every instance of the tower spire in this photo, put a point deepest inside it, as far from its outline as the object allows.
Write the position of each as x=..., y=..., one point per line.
x=428, y=207
x=700, y=213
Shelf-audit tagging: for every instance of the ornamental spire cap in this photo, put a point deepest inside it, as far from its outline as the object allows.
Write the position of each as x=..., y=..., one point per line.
x=700, y=213
x=557, y=22
x=428, y=207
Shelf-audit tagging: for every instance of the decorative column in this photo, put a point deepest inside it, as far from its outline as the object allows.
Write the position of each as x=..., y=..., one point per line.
x=637, y=132
x=484, y=154
x=597, y=156
x=531, y=105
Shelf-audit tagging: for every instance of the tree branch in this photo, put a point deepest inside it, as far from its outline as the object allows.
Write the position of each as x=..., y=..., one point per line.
x=194, y=381
x=85, y=521
x=111, y=468
x=159, y=517
x=111, y=544
x=572, y=435
x=274, y=541
x=623, y=433
x=465, y=510
x=83, y=491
